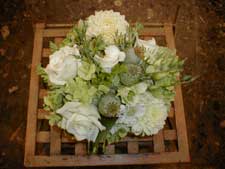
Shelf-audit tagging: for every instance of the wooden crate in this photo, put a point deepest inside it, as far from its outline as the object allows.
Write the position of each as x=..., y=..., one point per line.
x=52, y=147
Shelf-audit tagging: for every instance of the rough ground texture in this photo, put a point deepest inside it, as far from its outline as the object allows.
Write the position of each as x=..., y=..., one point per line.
x=200, y=36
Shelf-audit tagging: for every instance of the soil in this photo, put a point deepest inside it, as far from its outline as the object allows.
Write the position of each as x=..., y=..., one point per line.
x=200, y=37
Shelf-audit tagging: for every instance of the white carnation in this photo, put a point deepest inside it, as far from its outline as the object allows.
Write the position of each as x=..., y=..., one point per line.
x=62, y=65
x=145, y=115
x=106, y=23
x=80, y=120
x=112, y=56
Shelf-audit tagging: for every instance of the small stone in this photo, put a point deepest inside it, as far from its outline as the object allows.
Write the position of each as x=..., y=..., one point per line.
x=5, y=31
x=118, y=3
x=13, y=89
x=5, y=75
x=2, y=52
x=222, y=124
x=217, y=143
x=3, y=154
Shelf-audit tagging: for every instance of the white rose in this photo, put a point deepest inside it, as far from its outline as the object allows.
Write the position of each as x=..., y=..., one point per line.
x=146, y=43
x=112, y=56
x=80, y=120
x=106, y=23
x=62, y=65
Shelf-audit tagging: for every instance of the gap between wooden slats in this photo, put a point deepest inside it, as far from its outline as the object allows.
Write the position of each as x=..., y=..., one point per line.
x=110, y=149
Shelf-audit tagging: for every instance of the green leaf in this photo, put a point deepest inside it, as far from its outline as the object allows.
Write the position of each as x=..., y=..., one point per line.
x=53, y=46
x=53, y=100
x=80, y=90
x=86, y=70
x=41, y=72
x=54, y=119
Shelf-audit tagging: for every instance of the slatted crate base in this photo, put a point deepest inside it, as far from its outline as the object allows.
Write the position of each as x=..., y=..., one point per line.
x=50, y=146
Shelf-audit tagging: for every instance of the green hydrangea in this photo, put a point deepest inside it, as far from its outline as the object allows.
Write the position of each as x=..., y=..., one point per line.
x=86, y=71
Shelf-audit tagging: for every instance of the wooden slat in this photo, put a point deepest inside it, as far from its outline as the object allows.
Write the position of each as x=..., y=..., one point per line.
x=55, y=140
x=110, y=149
x=42, y=93
x=42, y=114
x=178, y=103
x=135, y=139
x=171, y=112
x=132, y=147
x=170, y=134
x=58, y=40
x=33, y=94
x=44, y=137
x=146, y=24
x=105, y=160
x=46, y=52
x=61, y=32
x=80, y=148
x=158, y=142
x=152, y=31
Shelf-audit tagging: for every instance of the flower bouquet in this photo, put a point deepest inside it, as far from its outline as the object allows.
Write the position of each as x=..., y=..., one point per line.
x=105, y=83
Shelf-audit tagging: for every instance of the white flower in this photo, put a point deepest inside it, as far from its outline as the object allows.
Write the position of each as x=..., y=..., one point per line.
x=145, y=115
x=112, y=56
x=80, y=120
x=147, y=44
x=62, y=65
x=106, y=23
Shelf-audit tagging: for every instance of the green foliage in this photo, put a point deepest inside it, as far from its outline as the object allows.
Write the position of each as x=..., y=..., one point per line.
x=106, y=137
x=79, y=90
x=109, y=80
x=54, y=99
x=53, y=46
x=86, y=71
x=54, y=119
x=41, y=72
x=128, y=40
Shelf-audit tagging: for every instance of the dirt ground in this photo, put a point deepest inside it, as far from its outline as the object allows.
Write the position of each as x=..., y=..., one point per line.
x=200, y=37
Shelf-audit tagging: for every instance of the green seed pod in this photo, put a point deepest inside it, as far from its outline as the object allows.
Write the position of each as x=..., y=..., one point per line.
x=132, y=76
x=109, y=105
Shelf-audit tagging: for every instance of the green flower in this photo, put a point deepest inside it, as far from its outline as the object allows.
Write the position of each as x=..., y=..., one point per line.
x=86, y=71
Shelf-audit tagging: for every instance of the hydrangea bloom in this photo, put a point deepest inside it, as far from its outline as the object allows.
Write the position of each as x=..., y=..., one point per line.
x=80, y=120
x=106, y=23
x=145, y=115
